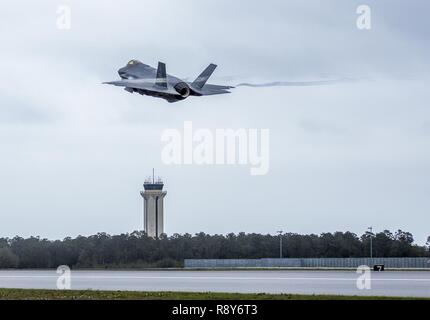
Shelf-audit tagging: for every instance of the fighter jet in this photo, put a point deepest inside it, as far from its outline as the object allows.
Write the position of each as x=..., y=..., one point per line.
x=146, y=80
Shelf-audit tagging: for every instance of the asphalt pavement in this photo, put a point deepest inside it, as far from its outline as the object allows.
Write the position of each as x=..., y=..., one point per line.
x=387, y=283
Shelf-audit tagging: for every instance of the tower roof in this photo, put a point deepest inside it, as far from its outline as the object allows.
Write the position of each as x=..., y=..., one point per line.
x=153, y=184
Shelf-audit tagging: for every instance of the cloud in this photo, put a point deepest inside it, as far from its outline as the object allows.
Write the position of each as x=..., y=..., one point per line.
x=75, y=152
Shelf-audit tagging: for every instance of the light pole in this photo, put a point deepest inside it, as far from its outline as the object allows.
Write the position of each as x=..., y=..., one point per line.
x=280, y=243
x=371, y=241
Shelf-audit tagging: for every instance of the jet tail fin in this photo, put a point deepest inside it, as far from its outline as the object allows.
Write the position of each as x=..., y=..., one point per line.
x=161, y=79
x=204, y=76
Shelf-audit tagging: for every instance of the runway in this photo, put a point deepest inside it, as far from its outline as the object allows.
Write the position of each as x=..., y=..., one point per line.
x=388, y=283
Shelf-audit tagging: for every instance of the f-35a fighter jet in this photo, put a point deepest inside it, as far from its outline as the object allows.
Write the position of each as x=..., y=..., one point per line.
x=143, y=79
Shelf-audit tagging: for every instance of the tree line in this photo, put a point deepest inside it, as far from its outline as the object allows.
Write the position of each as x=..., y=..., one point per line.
x=136, y=250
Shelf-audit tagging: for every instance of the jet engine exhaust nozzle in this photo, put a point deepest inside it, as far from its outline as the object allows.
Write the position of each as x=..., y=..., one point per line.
x=183, y=89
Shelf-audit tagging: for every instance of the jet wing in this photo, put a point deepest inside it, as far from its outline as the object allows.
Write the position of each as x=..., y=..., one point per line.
x=212, y=92
x=211, y=89
x=217, y=87
x=143, y=85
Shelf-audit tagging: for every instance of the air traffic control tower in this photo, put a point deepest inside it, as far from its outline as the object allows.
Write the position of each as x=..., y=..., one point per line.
x=153, y=213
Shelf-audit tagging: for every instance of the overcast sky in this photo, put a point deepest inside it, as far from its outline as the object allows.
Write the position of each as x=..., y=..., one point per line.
x=75, y=153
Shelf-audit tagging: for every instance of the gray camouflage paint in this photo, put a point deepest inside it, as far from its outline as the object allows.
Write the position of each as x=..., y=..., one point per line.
x=146, y=80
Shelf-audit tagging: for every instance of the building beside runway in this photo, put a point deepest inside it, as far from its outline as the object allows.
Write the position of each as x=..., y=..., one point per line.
x=353, y=263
